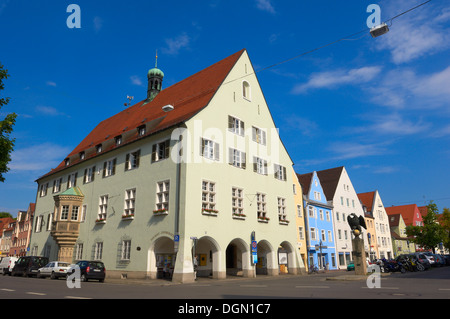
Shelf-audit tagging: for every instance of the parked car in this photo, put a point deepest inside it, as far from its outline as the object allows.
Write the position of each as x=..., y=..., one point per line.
x=351, y=266
x=29, y=265
x=439, y=260
x=89, y=269
x=430, y=257
x=447, y=259
x=7, y=264
x=54, y=270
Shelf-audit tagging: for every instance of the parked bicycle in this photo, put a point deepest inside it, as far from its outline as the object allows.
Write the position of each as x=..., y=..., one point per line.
x=313, y=269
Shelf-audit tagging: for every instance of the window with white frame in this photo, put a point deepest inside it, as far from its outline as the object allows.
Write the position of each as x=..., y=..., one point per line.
x=323, y=235
x=235, y=125
x=57, y=185
x=301, y=233
x=281, y=209
x=236, y=158
x=130, y=197
x=49, y=221
x=259, y=165
x=89, y=174
x=160, y=151
x=39, y=222
x=126, y=249
x=258, y=135
x=321, y=214
x=330, y=237
x=98, y=250
x=237, y=200
x=79, y=251
x=299, y=211
x=109, y=168
x=280, y=173
x=209, y=149
x=102, y=207
x=311, y=211
x=208, y=195
x=132, y=160
x=43, y=190
x=72, y=180
x=75, y=211
x=327, y=213
x=64, y=212
x=83, y=213
x=313, y=233
x=261, y=205
x=162, y=195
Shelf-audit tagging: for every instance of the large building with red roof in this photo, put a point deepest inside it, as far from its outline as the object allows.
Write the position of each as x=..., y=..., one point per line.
x=195, y=169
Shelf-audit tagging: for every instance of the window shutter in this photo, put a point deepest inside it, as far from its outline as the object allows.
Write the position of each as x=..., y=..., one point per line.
x=85, y=176
x=230, y=156
x=242, y=133
x=216, y=151
x=104, y=168
x=284, y=174
x=255, y=164
x=154, y=153
x=265, y=167
x=243, y=159
x=263, y=137
x=93, y=174
x=166, y=148
x=202, y=146
x=254, y=133
x=138, y=155
x=114, y=167
x=230, y=123
x=127, y=161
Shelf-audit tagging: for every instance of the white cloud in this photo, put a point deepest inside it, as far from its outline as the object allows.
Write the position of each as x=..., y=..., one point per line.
x=174, y=45
x=136, y=80
x=349, y=150
x=265, y=5
x=37, y=158
x=49, y=110
x=302, y=125
x=333, y=79
x=416, y=34
x=51, y=83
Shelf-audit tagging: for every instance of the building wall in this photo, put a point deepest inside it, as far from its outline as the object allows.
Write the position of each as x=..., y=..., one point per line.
x=320, y=222
x=300, y=219
x=345, y=202
x=382, y=228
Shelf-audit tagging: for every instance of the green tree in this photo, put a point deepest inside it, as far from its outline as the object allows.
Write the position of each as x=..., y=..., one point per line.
x=431, y=234
x=6, y=127
x=445, y=222
x=5, y=214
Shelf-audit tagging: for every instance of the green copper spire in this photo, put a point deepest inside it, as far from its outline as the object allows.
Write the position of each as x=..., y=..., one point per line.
x=155, y=77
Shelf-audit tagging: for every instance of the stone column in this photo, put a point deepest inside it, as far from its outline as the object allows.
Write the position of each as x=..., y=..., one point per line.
x=359, y=256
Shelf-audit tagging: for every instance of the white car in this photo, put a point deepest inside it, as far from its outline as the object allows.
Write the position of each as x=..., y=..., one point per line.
x=7, y=264
x=54, y=270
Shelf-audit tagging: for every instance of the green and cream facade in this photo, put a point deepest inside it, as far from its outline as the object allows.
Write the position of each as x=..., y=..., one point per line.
x=212, y=181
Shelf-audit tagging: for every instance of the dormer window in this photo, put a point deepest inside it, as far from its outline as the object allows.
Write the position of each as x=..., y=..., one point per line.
x=82, y=156
x=67, y=161
x=118, y=140
x=99, y=148
x=141, y=130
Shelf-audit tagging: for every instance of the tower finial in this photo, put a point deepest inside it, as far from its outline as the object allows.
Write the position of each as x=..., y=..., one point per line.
x=156, y=61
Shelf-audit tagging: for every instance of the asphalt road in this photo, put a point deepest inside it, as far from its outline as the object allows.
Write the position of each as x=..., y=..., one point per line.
x=432, y=284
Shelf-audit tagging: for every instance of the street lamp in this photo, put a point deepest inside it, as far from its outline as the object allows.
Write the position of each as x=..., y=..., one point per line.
x=379, y=30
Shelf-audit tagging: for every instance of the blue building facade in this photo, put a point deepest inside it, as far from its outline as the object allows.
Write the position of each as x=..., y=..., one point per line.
x=319, y=223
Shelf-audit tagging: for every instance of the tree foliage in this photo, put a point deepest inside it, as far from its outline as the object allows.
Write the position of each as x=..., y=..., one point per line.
x=445, y=222
x=431, y=234
x=6, y=128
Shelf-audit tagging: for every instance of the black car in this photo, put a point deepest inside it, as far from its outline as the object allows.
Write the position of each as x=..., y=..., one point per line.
x=89, y=269
x=29, y=265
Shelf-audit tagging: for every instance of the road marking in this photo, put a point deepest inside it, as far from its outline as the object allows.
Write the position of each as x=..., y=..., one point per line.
x=320, y=287
x=35, y=293
x=74, y=297
x=445, y=289
x=4, y=289
x=253, y=286
x=393, y=288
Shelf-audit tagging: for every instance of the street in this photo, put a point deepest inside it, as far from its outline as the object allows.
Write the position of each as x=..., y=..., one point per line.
x=431, y=284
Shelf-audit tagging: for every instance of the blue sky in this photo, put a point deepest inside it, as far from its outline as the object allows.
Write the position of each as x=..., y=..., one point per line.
x=380, y=107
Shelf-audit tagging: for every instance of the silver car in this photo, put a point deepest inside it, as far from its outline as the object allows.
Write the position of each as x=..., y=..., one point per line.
x=54, y=270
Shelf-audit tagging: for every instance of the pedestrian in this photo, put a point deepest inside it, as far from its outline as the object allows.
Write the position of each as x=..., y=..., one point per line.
x=195, y=267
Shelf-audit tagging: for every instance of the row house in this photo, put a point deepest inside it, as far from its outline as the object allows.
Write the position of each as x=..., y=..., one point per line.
x=7, y=226
x=379, y=235
x=300, y=218
x=22, y=232
x=402, y=244
x=196, y=170
x=318, y=211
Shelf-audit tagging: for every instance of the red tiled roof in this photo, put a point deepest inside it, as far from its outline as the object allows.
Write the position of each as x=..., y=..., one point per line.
x=407, y=212
x=188, y=97
x=367, y=199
